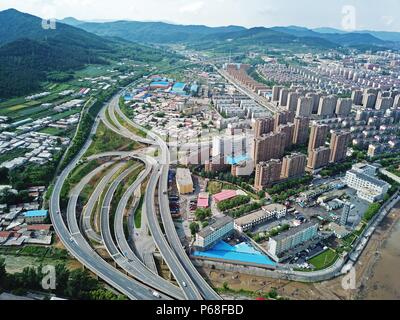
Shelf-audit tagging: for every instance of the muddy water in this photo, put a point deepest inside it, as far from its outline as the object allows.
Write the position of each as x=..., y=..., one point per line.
x=384, y=283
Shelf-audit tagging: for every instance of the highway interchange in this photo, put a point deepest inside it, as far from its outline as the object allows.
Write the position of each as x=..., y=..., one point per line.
x=132, y=277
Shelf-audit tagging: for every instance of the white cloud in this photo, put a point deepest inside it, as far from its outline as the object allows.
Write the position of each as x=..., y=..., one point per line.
x=249, y=13
x=388, y=20
x=192, y=7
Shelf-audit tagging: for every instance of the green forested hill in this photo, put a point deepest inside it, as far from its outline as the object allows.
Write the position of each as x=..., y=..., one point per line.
x=28, y=52
x=24, y=63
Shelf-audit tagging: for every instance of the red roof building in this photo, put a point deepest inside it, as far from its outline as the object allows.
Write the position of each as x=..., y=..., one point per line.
x=203, y=200
x=225, y=195
x=39, y=227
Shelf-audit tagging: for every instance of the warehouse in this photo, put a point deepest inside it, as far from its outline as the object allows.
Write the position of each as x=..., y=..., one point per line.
x=35, y=216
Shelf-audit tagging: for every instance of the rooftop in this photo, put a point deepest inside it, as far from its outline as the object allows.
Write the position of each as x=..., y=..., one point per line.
x=294, y=231
x=370, y=179
x=250, y=217
x=274, y=207
x=36, y=213
x=242, y=252
x=220, y=223
x=225, y=195
x=183, y=176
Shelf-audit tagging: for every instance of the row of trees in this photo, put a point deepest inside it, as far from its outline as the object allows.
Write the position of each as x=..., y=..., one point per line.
x=243, y=181
x=287, y=185
x=237, y=213
x=372, y=210
x=77, y=284
x=233, y=203
x=335, y=169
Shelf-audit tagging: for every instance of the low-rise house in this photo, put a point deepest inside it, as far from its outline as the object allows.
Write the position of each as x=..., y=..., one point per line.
x=251, y=220
x=36, y=216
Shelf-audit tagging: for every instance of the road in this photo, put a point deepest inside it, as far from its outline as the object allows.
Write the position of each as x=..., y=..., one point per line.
x=193, y=286
x=146, y=275
x=178, y=252
x=252, y=95
x=184, y=281
x=88, y=211
x=79, y=248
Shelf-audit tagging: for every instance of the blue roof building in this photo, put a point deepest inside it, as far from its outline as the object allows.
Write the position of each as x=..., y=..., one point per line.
x=36, y=214
x=179, y=88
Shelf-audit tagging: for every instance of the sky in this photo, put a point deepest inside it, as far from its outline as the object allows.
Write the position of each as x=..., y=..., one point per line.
x=343, y=14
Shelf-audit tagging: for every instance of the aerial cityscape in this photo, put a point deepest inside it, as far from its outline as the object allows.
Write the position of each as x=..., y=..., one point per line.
x=199, y=159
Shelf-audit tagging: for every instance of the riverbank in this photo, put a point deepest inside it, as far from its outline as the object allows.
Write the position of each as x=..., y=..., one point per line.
x=380, y=279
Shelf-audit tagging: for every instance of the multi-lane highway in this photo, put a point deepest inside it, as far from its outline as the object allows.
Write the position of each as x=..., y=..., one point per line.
x=144, y=283
x=146, y=275
x=178, y=252
x=80, y=249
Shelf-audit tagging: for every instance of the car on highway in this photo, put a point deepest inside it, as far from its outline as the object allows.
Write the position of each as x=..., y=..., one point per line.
x=156, y=294
x=184, y=284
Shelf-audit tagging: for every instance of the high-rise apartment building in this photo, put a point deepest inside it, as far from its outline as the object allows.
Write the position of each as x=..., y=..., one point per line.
x=288, y=131
x=292, y=101
x=269, y=146
x=267, y=173
x=316, y=97
x=343, y=107
x=357, y=97
x=339, y=144
x=283, y=97
x=301, y=130
x=263, y=126
x=304, y=107
x=318, y=158
x=318, y=135
x=276, y=90
x=384, y=103
x=293, y=165
x=369, y=100
x=283, y=117
x=327, y=106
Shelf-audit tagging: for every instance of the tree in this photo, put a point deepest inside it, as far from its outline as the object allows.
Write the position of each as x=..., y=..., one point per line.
x=202, y=214
x=4, y=178
x=225, y=286
x=3, y=273
x=194, y=228
x=273, y=294
x=62, y=279
x=80, y=284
